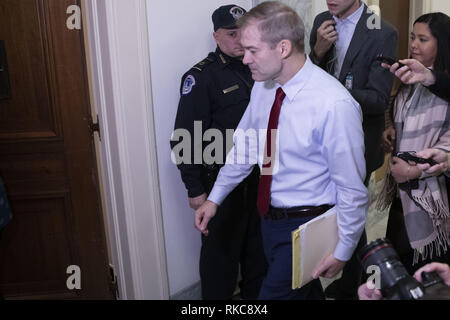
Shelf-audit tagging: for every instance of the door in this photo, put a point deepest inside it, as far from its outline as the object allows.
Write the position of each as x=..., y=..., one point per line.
x=47, y=159
x=397, y=13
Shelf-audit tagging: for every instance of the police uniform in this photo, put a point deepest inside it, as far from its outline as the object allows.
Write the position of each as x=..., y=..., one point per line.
x=216, y=92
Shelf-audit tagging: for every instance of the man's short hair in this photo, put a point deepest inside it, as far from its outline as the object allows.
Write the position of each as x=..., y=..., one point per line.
x=276, y=22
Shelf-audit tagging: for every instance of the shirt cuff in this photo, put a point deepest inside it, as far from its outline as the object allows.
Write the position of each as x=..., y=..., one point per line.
x=344, y=252
x=218, y=194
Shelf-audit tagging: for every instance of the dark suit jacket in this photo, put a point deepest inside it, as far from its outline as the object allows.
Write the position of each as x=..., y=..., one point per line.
x=372, y=84
x=442, y=86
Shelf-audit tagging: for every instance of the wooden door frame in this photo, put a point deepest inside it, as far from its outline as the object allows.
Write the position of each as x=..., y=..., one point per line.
x=120, y=81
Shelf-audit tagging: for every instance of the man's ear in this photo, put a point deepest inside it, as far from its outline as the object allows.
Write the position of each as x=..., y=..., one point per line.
x=285, y=47
x=216, y=36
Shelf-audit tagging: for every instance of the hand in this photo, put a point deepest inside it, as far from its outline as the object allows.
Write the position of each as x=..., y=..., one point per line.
x=440, y=156
x=328, y=267
x=413, y=72
x=442, y=269
x=203, y=214
x=364, y=293
x=388, y=139
x=196, y=202
x=326, y=36
x=403, y=171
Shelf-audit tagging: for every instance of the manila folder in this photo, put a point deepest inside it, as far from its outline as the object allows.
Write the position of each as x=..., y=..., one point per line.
x=312, y=242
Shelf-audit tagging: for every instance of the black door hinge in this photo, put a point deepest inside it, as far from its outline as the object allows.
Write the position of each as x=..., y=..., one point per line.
x=94, y=127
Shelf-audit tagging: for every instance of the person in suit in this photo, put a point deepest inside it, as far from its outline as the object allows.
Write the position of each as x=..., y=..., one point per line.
x=345, y=43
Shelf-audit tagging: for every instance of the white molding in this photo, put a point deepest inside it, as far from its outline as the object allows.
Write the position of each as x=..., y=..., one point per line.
x=94, y=53
x=427, y=6
x=118, y=38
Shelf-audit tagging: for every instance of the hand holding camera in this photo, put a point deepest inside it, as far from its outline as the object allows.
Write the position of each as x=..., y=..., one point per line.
x=394, y=281
x=407, y=170
x=413, y=157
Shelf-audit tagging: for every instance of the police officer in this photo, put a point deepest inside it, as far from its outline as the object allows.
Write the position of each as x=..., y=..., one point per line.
x=214, y=95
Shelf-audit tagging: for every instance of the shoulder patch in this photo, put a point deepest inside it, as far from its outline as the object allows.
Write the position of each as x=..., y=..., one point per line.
x=188, y=84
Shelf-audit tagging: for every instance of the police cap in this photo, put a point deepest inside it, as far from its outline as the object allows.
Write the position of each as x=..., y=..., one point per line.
x=225, y=17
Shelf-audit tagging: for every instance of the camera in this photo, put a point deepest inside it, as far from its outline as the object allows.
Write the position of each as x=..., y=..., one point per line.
x=412, y=156
x=395, y=282
x=389, y=60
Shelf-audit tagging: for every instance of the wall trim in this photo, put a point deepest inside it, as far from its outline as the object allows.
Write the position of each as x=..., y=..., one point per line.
x=120, y=60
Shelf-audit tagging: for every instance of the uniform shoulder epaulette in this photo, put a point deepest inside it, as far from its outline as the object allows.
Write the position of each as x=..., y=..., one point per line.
x=201, y=65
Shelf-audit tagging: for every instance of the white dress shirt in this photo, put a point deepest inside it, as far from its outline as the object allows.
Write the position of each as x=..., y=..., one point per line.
x=345, y=29
x=320, y=148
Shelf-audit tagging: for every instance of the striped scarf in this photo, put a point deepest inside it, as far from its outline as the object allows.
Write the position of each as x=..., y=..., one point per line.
x=421, y=122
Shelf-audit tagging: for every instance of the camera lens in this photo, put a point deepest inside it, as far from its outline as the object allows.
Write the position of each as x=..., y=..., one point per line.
x=395, y=282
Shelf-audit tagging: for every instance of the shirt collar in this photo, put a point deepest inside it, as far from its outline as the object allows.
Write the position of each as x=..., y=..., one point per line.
x=296, y=83
x=354, y=17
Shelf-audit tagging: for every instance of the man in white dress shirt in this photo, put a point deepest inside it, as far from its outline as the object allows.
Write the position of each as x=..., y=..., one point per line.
x=319, y=150
x=345, y=42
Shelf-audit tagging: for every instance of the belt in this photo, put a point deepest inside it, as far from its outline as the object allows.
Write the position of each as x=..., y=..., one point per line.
x=296, y=212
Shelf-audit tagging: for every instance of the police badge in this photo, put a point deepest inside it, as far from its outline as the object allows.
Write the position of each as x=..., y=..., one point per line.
x=237, y=12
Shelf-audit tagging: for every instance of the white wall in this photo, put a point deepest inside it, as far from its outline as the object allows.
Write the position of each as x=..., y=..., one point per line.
x=319, y=6
x=440, y=5
x=180, y=34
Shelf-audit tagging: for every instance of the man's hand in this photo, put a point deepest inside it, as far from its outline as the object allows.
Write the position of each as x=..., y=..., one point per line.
x=440, y=156
x=388, y=139
x=328, y=267
x=364, y=293
x=326, y=36
x=196, y=202
x=442, y=269
x=413, y=72
x=203, y=214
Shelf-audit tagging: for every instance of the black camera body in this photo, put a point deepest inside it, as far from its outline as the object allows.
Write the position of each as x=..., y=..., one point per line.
x=395, y=282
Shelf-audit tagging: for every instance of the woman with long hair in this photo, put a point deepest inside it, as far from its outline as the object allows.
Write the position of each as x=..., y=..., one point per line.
x=419, y=219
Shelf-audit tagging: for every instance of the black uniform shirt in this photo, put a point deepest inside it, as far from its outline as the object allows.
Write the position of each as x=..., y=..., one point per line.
x=216, y=92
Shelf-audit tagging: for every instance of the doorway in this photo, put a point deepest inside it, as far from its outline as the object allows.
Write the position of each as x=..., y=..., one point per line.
x=47, y=159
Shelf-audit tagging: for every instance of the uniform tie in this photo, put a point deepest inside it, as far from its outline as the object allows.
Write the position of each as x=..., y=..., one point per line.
x=265, y=180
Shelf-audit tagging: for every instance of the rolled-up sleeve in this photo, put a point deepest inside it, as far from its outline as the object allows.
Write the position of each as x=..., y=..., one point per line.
x=343, y=147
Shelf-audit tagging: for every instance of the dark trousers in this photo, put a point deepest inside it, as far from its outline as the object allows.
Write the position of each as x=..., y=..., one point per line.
x=397, y=234
x=234, y=240
x=278, y=248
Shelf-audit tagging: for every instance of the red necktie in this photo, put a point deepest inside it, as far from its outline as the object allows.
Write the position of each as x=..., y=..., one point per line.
x=265, y=180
